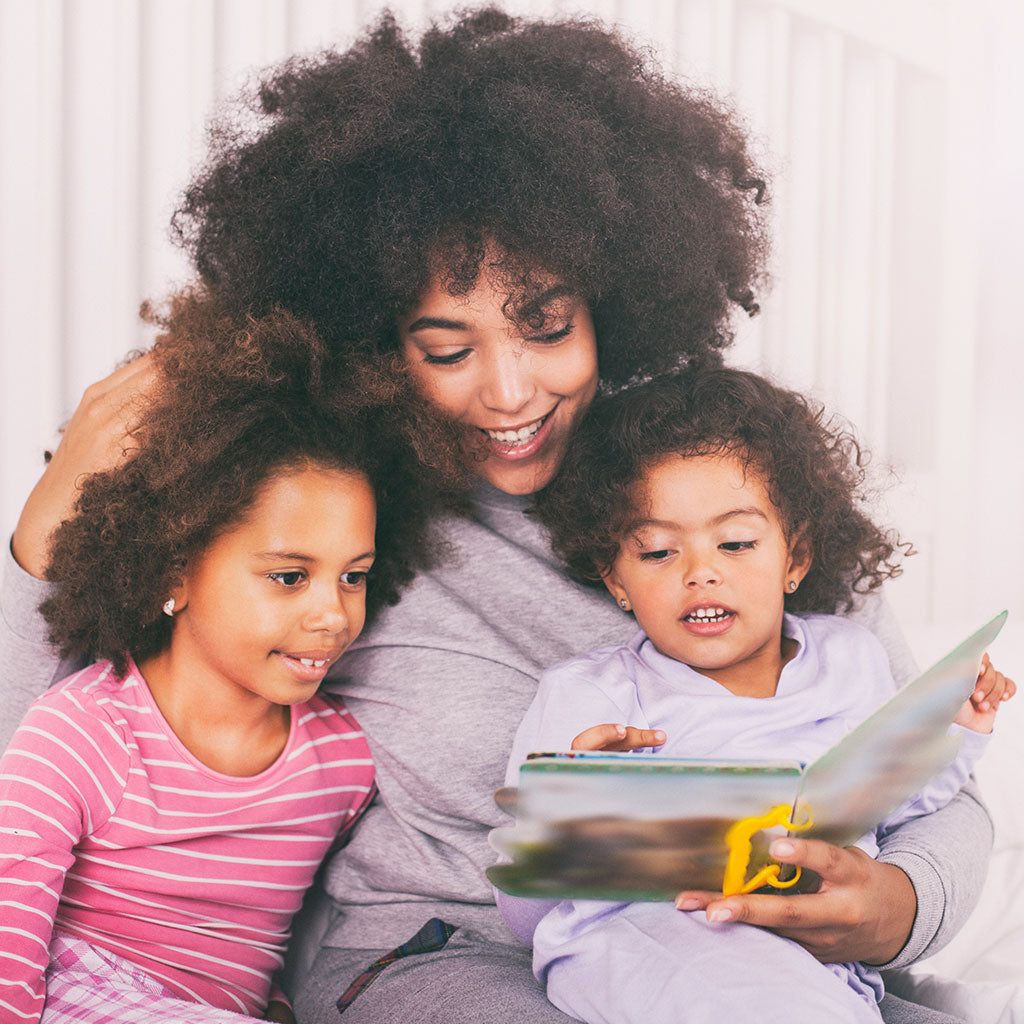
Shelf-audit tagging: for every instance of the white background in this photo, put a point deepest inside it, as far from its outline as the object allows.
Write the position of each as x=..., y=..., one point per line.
x=890, y=130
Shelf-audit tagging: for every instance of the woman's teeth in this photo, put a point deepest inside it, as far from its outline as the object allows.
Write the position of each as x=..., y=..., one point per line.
x=708, y=615
x=519, y=436
x=314, y=662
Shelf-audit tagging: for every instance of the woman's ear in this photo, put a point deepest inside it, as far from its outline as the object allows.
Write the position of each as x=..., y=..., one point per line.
x=616, y=589
x=801, y=557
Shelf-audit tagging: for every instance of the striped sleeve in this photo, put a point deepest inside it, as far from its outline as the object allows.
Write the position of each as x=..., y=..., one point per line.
x=61, y=777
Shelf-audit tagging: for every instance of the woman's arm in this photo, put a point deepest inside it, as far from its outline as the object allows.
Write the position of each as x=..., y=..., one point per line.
x=97, y=438
x=30, y=664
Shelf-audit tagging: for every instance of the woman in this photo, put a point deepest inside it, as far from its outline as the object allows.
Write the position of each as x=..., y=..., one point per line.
x=523, y=212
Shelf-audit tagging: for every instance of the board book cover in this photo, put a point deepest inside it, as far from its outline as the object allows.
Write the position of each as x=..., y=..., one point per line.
x=638, y=826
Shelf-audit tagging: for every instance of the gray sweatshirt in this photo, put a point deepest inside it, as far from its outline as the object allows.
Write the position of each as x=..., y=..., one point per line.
x=439, y=684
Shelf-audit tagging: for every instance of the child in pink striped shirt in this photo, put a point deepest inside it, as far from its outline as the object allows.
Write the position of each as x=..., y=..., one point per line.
x=163, y=810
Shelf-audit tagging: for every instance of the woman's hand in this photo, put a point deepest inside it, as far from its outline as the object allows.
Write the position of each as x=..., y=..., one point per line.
x=863, y=910
x=280, y=1012
x=617, y=737
x=98, y=437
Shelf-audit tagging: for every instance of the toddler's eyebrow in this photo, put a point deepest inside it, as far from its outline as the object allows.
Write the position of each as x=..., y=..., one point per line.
x=668, y=524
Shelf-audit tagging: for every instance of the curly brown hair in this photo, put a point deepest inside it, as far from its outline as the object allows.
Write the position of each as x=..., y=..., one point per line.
x=241, y=397
x=372, y=171
x=814, y=469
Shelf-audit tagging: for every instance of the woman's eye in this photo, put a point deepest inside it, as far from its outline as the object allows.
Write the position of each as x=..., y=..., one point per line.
x=291, y=578
x=354, y=579
x=553, y=336
x=654, y=556
x=737, y=545
x=447, y=360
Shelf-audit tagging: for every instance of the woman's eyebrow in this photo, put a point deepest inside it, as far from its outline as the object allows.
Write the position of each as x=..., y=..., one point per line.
x=425, y=323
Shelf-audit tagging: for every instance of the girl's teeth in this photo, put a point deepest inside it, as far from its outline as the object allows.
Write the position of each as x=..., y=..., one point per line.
x=313, y=662
x=708, y=614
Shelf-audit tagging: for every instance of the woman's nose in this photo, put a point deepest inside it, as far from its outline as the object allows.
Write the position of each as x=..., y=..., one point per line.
x=508, y=385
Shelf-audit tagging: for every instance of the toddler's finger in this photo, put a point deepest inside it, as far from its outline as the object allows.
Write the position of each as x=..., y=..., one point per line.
x=599, y=737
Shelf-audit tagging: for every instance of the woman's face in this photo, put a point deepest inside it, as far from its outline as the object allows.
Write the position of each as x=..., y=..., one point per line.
x=517, y=386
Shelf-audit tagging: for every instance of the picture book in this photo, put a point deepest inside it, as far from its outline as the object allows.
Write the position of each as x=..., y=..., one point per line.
x=638, y=826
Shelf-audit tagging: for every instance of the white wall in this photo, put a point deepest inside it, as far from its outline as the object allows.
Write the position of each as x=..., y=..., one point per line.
x=889, y=128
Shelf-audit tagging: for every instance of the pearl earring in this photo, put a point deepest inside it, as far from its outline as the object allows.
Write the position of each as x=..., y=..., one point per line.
x=169, y=607
x=623, y=604
x=792, y=585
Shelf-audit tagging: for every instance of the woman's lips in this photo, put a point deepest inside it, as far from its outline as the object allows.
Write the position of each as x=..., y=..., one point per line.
x=515, y=451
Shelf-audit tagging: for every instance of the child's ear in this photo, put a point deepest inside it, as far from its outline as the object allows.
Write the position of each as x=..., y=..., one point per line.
x=616, y=589
x=178, y=594
x=801, y=557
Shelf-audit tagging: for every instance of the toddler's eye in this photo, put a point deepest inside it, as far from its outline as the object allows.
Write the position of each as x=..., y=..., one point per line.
x=287, y=579
x=654, y=556
x=354, y=579
x=737, y=545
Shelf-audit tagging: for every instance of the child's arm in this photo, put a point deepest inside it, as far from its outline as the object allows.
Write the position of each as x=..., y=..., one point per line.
x=59, y=778
x=979, y=712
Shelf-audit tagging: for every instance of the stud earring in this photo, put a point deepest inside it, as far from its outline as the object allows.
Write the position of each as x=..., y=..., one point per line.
x=792, y=586
x=623, y=604
x=169, y=607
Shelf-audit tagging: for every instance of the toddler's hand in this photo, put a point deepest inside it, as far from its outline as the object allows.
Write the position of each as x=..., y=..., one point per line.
x=979, y=712
x=617, y=737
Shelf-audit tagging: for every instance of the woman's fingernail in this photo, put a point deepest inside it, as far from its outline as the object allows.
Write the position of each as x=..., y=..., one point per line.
x=782, y=848
x=720, y=915
x=688, y=904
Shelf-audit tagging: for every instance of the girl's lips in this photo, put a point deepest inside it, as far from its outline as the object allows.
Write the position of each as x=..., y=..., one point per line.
x=517, y=452
x=709, y=627
x=306, y=673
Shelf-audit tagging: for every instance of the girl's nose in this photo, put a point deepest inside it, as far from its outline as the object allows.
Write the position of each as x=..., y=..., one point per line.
x=701, y=573
x=326, y=614
x=508, y=386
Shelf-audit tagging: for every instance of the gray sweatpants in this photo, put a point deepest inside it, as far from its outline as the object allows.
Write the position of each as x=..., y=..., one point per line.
x=471, y=980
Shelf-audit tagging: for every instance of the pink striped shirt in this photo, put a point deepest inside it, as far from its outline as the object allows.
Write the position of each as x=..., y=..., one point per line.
x=111, y=829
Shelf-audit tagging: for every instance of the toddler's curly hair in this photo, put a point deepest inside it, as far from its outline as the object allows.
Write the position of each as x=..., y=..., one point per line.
x=240, y=398
x=813, y=467
x=358, y=177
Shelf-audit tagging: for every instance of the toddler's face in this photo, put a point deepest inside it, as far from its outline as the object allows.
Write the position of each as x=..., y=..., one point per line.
x=705, y=567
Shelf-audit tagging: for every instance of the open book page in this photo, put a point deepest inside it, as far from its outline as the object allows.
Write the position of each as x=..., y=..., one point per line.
x=888, y=757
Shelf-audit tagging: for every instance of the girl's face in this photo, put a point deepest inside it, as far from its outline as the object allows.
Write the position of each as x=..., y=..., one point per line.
x=705, y=568
x=275, y=599
x=518, y=390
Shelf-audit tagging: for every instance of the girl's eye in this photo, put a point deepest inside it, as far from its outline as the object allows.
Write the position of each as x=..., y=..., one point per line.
x=354, y=579
x=654, y=556
x=737, y=545
x=448, y=360
x=290, y=578
x=553, y=336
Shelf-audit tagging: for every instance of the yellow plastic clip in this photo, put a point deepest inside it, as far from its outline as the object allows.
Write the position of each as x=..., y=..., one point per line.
x=738, y=840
